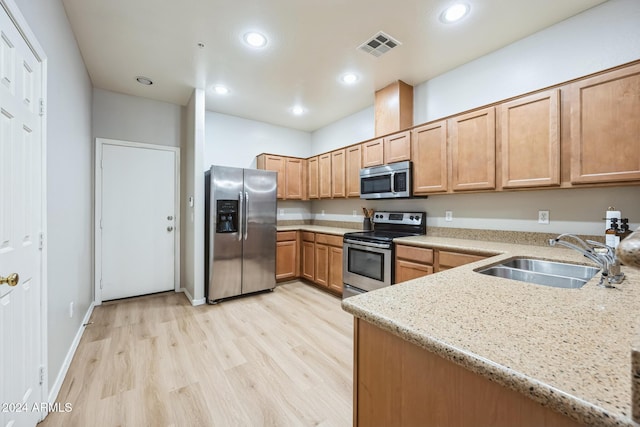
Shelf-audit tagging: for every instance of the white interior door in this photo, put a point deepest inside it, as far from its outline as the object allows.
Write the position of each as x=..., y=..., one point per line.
x=21, y=207
x=138, y=220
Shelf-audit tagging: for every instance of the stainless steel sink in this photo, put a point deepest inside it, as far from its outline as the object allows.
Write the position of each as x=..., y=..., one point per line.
x=548, y=273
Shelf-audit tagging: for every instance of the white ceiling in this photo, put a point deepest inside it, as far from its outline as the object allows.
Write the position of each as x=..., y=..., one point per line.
x=311, y=43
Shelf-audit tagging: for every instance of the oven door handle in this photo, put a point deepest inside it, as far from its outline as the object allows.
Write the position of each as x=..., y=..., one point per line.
x=367, y=244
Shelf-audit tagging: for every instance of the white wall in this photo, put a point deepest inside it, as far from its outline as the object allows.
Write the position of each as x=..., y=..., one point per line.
x=192, y=217
x=346, y=131
x=131, y=118
x=69, y=177
x=599, y=38
x=234, y=141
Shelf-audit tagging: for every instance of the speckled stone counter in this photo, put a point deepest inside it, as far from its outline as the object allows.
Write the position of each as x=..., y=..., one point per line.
x=568, y=349
x=316, y=229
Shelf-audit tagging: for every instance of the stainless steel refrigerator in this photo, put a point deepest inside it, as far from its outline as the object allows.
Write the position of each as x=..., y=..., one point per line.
x=240, y=227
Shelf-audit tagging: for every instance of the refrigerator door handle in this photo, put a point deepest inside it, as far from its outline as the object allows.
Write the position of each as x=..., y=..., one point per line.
x=245, y=216
x=241, y=213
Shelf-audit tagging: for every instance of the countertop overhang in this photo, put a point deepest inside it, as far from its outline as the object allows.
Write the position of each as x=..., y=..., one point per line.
x=568, y=349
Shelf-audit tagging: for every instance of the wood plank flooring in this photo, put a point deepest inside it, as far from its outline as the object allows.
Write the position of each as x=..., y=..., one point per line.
x=283, y=358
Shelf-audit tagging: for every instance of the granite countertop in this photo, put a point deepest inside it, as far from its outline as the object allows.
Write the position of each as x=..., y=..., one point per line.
x=317, y=229
x=569, y=349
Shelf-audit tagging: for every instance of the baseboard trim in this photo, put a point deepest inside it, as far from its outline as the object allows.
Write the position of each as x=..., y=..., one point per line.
x=57, y=385
x=194, y=302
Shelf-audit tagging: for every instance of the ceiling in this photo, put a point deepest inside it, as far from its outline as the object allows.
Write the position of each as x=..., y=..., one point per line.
x=310, y=45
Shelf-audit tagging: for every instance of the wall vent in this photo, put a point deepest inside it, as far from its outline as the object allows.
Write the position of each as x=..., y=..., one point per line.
x=379, y=44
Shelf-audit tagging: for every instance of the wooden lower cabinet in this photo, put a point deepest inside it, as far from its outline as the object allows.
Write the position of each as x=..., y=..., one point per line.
x=448, y=259
x=412, y=262
x=308, y=263
x=397, y=383
x=286, y=255
x=322, y=264
x=335, y=269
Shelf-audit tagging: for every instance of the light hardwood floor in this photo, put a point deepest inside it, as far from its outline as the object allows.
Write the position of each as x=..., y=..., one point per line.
x=282, y=358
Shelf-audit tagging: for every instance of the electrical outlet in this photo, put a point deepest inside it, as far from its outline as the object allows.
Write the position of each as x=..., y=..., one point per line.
x=71, y=309
x=543, y=217
x=354, y=213
x=448, y=216
x=281, y=211
x=322, y=213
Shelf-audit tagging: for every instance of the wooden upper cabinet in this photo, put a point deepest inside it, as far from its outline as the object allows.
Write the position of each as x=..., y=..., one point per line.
x=274, y=163
x=312, y=177
x=473, y=150
x=397, y=147
x=605, y=127
x=530, y=130
x=324, y=175
x=373, y=153
x=352, y=173
x=338, y=164
x=294, y=178
x=429, y=154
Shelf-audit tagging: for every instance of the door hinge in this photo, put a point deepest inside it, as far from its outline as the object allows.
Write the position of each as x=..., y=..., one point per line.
x=100, y=223
x=42, y=375
x=41, y=241
x=100, y=283
x=42, y=107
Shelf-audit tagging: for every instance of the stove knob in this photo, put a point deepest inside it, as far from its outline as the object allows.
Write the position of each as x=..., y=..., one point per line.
x=411, y=217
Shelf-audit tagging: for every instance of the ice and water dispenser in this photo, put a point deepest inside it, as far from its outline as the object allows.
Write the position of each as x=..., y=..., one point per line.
x=227, y=216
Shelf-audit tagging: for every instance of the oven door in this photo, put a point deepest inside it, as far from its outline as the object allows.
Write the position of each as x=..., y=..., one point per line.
x=367, y=266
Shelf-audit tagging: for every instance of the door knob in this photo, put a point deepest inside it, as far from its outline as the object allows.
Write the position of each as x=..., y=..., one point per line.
x=10, y=280
x=169, y=228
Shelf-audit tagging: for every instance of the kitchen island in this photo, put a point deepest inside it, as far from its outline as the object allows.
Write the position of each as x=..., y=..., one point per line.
x=569, y=351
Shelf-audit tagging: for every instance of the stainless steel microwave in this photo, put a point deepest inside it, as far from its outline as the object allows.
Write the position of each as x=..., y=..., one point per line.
x=386, y=182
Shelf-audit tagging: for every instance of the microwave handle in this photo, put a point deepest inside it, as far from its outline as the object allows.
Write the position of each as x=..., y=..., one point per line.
x=393, y=182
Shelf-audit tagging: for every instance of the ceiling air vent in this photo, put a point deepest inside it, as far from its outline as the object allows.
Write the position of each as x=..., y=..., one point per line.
x=379, y=44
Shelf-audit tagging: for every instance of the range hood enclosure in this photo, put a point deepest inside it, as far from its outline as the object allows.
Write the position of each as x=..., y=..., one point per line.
x=393, y=108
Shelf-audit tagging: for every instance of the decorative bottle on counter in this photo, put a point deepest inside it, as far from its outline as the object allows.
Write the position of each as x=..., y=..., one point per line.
x=611, y=235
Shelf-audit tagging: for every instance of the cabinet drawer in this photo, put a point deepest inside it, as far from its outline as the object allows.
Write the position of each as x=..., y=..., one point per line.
x=455, y=259
x=328, y=239
x=413, y=253
x=284, y=236
x=308, y=236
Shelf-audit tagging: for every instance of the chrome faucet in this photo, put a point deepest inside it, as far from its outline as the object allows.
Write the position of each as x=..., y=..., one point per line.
x=604, y=256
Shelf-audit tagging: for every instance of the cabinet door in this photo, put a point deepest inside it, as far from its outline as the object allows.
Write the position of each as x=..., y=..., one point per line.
x=429, y=154
x=447, y=260
x=312, y=168
x=407, y=270
x=335, y=269
x=397, y=147
x=308, y=260
x=605, y=127
x=322, y=264
x=338, y=174
x=473, y=150
x=294, y=178
x=277, y=164
x=530, y=152
x=354, y=164
x=373, y=153
x=324, y=176
x=286, y=260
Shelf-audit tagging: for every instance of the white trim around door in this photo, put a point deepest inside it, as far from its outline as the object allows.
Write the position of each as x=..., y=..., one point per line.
x=100, y=142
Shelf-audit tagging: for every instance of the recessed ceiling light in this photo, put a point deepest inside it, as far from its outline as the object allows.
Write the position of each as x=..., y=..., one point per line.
x=221, y=90
x=298, y=110
x=349, y=78
x=144, y=80
x=455, y=13
x=255, y=39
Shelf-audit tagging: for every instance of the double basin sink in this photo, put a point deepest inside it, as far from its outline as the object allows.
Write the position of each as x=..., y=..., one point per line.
x=548, y=273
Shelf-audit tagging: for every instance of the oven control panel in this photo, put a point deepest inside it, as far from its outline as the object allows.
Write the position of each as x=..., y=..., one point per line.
x=403, y=218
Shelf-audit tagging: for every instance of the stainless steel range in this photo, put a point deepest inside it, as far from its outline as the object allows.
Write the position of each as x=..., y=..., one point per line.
x=368, y=256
